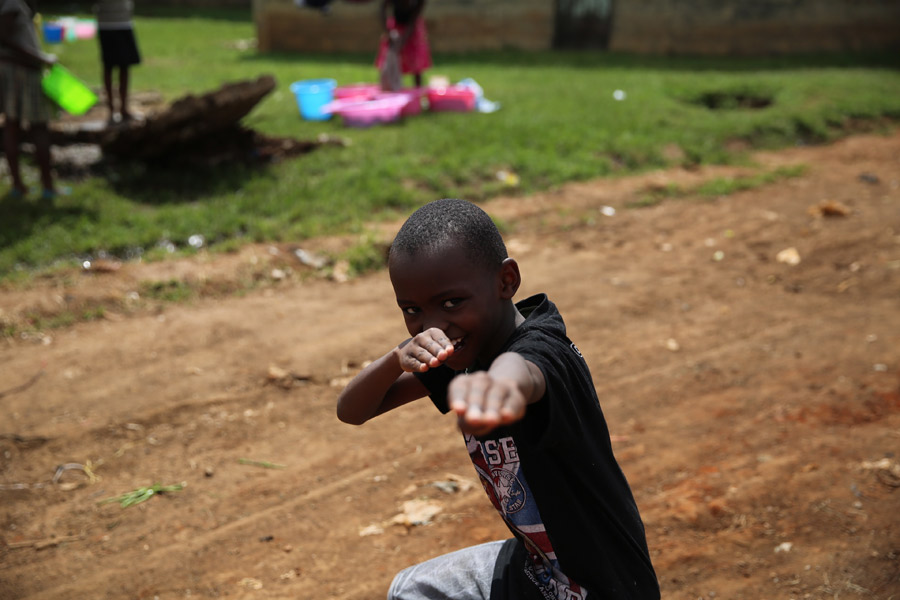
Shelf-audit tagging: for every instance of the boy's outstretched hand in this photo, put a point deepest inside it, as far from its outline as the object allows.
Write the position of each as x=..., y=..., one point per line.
x=482, y=401
x=427, y=350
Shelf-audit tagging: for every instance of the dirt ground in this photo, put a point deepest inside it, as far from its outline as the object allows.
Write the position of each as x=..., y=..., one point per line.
x=754, y=401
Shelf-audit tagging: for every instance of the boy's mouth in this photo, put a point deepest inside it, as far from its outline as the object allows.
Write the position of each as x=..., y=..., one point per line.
x=458, y=344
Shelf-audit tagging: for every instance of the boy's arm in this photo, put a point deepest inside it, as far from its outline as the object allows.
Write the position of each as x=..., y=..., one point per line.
x=378, y=388
x=389, y=382
x=499, y=396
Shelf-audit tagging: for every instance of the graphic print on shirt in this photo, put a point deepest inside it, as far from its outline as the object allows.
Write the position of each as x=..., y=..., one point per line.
x=497, y=464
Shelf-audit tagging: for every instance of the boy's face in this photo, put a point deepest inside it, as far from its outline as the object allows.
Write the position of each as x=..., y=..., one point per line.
x=465, y=300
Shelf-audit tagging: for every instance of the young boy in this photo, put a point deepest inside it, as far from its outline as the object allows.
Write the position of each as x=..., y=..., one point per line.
x=526, y=405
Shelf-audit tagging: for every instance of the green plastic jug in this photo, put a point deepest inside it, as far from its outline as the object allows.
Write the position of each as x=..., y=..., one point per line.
x=67, y=90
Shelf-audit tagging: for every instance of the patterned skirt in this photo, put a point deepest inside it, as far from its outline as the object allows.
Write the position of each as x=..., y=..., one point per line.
x=21, y=96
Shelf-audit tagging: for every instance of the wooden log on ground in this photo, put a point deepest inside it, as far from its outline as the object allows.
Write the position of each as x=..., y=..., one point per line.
x=188, y=120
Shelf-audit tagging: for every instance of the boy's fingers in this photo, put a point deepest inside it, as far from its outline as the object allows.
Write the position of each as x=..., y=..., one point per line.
x=513, y=409
x=495, y=399
x=433, y=347
x=438, y=351
x=461, y=396
x=412, y=364
x=478, y=400
x=440, y=339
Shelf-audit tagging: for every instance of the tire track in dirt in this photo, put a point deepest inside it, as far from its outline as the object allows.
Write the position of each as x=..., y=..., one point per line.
x=205, y=541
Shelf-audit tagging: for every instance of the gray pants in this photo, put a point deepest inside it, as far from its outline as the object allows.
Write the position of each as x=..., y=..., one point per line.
x=462, y=575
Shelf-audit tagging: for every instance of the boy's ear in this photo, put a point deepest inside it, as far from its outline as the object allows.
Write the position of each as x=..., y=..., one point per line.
x=509, y=279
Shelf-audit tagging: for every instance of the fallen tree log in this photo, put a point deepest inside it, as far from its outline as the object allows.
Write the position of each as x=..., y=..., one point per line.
x=188, y=121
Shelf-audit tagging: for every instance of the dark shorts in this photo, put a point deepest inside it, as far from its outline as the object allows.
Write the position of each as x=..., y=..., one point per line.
x=118, y=48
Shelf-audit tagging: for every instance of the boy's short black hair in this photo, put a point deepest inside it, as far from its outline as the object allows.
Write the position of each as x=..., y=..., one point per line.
x=450, y=220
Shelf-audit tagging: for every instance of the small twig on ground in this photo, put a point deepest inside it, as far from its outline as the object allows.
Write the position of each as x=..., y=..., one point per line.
x=23, y=442
x=24, y=386
x=260, y=463
x=20, y=486
x=41, y=544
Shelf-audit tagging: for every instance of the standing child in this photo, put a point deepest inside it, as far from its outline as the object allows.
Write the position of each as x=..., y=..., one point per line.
x=404, y=30
x=118, y=50
x=22, y=98
x=529, y=413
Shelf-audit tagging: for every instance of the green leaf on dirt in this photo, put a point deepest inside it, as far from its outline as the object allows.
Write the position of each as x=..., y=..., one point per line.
x=143, y=493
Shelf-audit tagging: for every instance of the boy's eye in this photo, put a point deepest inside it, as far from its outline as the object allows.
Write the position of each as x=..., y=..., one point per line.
x=452, y=302
x=410, y=310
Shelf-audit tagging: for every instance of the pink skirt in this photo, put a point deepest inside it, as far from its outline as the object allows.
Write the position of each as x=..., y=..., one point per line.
x=415, y=55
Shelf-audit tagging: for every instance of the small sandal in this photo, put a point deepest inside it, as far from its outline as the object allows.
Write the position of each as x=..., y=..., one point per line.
x=48, y=194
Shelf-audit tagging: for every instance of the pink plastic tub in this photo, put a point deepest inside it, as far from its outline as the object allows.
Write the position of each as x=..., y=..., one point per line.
x=412, y=98
x=365, y=113
x=454, y=98
x=357, y=90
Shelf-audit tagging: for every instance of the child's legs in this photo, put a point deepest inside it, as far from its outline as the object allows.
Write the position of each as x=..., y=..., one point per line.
x=40, y=134
x=11, y=131
x=462, y=575
x=108, y=87
x=123, y=92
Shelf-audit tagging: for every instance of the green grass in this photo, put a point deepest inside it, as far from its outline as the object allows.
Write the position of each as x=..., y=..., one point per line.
x=719, y=186
x=559, y=122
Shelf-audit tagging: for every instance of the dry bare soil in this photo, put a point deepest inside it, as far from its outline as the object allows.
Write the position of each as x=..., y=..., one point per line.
x=754, y=403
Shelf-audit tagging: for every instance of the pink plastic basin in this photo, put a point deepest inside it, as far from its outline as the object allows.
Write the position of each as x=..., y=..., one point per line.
x=357, y=90
x=412, y=100
x=454, y=98
x=365, y=113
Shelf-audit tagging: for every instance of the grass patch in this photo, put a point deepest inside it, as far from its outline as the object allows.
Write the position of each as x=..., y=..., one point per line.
x=559, y=122
x=369, y=254
x=56, y=320
x=718, y=186
x=173, y=290
x=724, y=186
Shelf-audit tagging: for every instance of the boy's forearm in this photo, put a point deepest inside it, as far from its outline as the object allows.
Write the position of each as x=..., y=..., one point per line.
x=364, y=396
x=527, y=376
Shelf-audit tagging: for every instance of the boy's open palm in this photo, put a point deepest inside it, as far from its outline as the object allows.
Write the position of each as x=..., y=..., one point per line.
x=482, y=402
x=427, y=350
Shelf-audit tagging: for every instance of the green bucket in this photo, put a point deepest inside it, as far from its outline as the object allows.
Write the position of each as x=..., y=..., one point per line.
x=68, y=91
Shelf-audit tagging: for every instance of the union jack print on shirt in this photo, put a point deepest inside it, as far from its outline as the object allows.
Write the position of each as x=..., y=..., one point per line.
x=497, y=464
